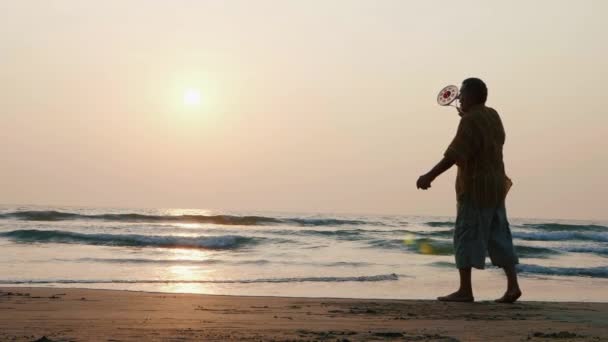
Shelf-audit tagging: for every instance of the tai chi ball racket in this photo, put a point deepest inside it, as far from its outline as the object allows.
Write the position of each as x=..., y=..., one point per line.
x=447, y=95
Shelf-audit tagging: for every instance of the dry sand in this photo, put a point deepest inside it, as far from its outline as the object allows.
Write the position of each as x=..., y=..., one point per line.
x=28, y=314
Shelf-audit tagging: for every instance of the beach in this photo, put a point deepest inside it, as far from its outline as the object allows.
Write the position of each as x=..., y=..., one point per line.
x=61, y=314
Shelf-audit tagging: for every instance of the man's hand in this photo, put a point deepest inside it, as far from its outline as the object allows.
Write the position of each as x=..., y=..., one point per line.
x=424, y=182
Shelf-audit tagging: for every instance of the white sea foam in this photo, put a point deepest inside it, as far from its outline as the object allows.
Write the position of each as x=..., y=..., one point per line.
x=371, y=278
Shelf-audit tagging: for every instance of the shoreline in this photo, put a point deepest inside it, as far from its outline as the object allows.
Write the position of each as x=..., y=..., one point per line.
x=61, y=314
x=14, y=288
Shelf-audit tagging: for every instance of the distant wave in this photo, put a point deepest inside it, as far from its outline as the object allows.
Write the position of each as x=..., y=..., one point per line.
x=215, y=219
x=561, y=236
x=373, y=278
x=338, y=234
x=439, y=233
x=418, y=245
x=215, y=261
x=130, y=240
x=355, y=232
x=534, y=252
x=549, y=227
x=325, y=222
x=567, y=227
x=154, y=261
x=588, y=249
x=556, y=227
x=442, y=247
x=441, y=224
x=595, y=272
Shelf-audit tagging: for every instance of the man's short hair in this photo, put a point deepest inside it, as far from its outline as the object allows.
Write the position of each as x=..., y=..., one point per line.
x=477, y=89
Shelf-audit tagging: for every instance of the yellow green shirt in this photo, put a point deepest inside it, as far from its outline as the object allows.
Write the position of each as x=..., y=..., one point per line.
x=477, y=151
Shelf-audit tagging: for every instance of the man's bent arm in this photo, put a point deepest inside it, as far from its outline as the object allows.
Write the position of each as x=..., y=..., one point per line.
x=445, y=164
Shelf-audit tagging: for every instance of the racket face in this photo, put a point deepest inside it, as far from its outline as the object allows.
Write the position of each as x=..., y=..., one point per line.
x=447, y=95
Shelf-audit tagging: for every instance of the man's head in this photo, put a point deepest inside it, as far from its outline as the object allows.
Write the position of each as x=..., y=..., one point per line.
x=472, y=92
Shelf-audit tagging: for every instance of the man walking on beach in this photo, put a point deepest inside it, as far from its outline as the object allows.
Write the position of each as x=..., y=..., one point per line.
x=481, y=188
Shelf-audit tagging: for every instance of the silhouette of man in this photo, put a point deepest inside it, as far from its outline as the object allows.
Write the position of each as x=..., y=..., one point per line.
x=481, y=188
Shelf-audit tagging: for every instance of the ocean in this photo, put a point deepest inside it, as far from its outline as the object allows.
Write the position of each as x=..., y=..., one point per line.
x=283, y=254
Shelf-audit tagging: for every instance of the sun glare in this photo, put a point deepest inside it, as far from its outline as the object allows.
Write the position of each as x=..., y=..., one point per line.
x=192, y=97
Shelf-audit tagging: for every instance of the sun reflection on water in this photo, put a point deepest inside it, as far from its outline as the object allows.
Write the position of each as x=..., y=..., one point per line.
x=181, y=212
x=190, y=274
x=188, y=225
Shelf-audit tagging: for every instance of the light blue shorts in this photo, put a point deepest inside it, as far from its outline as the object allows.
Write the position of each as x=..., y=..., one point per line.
x=480, y=232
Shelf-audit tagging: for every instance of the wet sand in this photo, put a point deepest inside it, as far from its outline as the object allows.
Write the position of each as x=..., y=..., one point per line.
x=29, y=314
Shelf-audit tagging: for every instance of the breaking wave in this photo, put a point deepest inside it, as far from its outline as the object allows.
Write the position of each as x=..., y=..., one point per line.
x=589, y=249
x=420, y=245
x=441, y=224
x=373, y=278
x=535, y=252
x=443, y=247
x=596, y=272
x=215, y=219
x=567, y=227
x=561, y=236
x=215, y=262
x=130, y=240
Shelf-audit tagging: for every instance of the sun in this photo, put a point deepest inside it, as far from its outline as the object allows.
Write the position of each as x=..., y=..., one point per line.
x=192, y=97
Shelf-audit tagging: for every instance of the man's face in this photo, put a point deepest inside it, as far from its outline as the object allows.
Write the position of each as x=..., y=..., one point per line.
x=464, y=98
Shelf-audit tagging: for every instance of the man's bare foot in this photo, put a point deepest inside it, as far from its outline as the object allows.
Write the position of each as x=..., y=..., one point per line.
x=457, y=297
x=509, y=297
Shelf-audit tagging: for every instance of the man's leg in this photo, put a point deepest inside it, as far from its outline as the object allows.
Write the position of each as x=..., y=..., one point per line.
x=502, y=253
x=465, y=291
x=513, y=291
x=469, y=250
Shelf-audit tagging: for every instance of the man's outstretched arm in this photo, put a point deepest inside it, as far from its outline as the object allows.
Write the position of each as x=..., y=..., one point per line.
x=424, y=181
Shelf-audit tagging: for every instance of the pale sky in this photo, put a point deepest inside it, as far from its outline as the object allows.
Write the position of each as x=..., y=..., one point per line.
x=306, y=106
